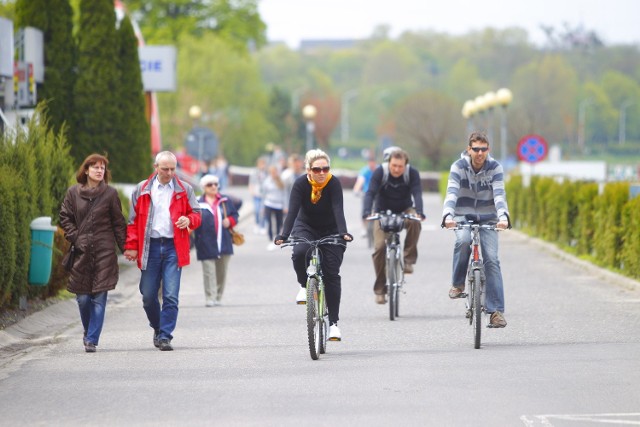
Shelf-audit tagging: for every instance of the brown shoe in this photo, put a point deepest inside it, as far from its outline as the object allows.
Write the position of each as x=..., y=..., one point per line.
x=455, y=292
x=381, y=299
x=497, y=320
x=408, y=269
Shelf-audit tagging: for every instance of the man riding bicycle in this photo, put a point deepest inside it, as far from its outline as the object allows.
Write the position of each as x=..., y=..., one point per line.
x=475, y=190
x=396, y=187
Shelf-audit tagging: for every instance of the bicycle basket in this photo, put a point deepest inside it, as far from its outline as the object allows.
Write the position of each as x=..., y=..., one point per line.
x=392, y=224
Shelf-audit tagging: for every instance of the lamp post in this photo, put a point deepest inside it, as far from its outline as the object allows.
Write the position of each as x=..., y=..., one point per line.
x=309, y=113
x=490, y=101
x=582, y=107
x=344, y=120
x=468, y=110
x=195, y=112
x=504, y=98
x=622, y=131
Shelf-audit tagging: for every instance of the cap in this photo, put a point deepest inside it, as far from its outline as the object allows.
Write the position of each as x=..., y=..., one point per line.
x=208, y=179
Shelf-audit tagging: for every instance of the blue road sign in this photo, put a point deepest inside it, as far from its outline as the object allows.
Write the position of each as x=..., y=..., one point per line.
x=532, y=148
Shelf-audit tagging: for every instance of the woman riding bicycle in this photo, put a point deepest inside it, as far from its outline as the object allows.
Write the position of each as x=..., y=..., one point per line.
x=315, y=211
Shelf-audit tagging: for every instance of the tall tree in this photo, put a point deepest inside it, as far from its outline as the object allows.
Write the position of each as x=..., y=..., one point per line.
x=131, y=153
x=54, y=19
x=164, y=21
x=97, y=87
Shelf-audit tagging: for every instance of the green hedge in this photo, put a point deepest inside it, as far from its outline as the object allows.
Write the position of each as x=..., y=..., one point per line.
x=35, y=171
x=599, y=223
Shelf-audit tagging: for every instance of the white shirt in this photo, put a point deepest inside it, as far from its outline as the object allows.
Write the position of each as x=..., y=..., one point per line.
x=161, y=225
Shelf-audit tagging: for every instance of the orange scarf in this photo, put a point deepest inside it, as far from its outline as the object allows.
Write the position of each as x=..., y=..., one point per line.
x=316, y=189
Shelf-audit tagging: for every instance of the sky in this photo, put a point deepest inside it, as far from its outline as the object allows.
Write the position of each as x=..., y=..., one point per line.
x=615, y=21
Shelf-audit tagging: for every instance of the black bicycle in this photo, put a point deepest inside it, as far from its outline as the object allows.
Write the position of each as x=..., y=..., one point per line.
x=392, y=224
x=317, y=312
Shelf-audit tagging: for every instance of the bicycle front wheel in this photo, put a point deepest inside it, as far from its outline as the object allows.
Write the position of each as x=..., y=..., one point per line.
x=314, y=315
x=477, y=309
x=392, y=282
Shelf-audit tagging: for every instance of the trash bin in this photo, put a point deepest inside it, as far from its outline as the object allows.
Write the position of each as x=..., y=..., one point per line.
x=41, y=251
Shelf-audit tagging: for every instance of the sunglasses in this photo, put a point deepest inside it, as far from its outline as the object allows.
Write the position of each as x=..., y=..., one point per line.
x=317, y=169
x=479, y=149
x=211, y=184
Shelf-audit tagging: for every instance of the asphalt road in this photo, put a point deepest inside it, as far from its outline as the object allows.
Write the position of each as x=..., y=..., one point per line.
x=568, y=357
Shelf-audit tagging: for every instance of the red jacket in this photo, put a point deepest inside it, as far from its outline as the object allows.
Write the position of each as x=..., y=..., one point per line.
x=183, y=203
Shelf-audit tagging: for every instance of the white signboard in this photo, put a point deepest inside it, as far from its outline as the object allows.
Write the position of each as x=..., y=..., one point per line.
x=158, y=66
x=34, y=52
x=6, y=48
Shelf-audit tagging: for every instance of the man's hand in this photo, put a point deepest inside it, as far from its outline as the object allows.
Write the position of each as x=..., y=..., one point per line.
x=183, y=222
x=131, y=254
x=502, y=225
x=449, y=223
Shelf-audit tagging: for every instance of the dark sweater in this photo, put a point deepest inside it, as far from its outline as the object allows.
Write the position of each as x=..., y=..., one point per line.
x=326, y=216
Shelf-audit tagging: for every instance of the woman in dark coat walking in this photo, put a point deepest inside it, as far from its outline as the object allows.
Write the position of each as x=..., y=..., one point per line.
x=92, y=220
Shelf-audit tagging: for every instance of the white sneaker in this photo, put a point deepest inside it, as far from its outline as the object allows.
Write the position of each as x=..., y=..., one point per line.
x=210, y=303
x=334, y=333
x=301, y=298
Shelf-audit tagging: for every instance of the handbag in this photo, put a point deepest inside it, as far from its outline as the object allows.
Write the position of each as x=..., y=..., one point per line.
x=237, y=238
x=70, y=257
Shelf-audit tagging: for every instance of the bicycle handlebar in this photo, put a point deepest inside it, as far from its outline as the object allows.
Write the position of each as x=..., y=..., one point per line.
x=380, y=215
x=334, y=239
x=467, y=225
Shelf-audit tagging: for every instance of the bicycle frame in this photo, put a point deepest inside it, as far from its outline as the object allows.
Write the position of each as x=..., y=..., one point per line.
x=317, y=312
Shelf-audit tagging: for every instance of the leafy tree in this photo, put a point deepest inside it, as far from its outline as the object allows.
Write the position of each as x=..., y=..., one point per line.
x=54, y=19
x=425, y=123
x=545, y=100
x=131, y=154
x=164, y=21
x=96, y=90
x=227, y=86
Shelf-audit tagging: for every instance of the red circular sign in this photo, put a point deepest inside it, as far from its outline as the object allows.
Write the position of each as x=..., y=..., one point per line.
x=532, y=148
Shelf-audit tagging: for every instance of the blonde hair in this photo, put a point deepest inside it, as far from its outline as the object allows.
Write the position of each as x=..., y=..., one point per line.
x=313, y=155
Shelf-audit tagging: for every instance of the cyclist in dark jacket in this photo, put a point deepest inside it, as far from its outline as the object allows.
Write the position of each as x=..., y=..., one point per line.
x=316, y=210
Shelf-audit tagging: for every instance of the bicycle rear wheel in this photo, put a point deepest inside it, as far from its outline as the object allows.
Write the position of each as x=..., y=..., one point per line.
x=314, y=328
x=477, y=309
x=392, y=282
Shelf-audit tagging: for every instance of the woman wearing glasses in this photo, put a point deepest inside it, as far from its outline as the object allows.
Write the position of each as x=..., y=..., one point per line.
x=316, y=210
x=213, y=239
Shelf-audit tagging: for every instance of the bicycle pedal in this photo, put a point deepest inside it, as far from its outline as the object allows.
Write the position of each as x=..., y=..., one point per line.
x=301, y=303
x=335, y=339
x=462, y=295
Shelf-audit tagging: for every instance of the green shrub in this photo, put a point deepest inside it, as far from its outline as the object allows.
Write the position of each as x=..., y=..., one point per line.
x=630, y=251
x=607, y=218
x=9, y=183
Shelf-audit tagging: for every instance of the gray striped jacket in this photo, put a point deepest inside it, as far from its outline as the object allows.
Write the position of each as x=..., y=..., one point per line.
x=480, y=194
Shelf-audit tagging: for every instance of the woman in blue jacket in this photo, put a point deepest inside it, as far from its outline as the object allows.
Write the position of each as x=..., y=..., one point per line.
x=213, y=239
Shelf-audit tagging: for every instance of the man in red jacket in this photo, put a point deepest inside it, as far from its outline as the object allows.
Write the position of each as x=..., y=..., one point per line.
x=163, y=211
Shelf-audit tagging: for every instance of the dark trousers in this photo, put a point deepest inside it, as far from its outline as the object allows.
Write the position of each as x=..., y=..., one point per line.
x=273, y=218
x=330, y=259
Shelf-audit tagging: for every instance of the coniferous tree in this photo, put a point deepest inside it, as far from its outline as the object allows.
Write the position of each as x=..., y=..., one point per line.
x=131, y=160
x=54, y=19
x=96, y=104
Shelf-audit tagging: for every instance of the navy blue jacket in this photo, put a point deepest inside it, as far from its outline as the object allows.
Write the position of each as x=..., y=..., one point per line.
x=211, y=243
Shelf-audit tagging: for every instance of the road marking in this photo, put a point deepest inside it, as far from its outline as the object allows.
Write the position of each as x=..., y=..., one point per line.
x=606, y=418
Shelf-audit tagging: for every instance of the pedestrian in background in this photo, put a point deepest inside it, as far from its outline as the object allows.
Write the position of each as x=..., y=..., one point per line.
x=273, y=199
x=92, y=220
x=256, y=179
x=163, y=210
x=213, y=239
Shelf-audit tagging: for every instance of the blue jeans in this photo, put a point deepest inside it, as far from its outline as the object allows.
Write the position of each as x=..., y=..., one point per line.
x=92, y=308
x=494, y=296
x=162, y=267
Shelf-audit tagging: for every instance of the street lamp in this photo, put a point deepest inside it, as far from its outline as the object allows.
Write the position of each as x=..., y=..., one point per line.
x=582, y=107
x=622, y=133
x=490, y=101
x=344, y=120
x=309, y=113
x=468, y=110
x=504, y=98
x=195, y=112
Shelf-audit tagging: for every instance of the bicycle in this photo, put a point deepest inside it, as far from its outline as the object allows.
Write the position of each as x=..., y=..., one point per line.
x=317, y=312
x=476, y=279
x=392, y=224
